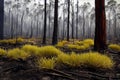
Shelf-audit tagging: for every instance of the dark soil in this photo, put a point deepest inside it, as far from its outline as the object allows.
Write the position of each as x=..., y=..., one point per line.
x=26, y=70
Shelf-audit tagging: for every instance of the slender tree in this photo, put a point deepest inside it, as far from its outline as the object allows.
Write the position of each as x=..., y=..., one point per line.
x=1, y=18
x=21, y=30
x=73, y=20
x=55, y=31
x=31, y=29
x=12, y=26
x=112, y=6
x=77, y=19
x=45, y=20
x=68, y=28
x=85, y=6
x=100, y=30
x=49, y=19
x=63, y=34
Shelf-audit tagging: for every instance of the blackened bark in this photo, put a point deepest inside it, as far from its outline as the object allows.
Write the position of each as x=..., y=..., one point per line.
x=83, y=25
x=31, y=29
x=49, y=20
x=37, y=29
x=21, y=31
x=115, y=24
x=100, y=30
x=1, y=18
x=45, y=20
x=68, y=20
x=55, y=31
x=63, y=34
x=12, y=26
x=77, y=21
x=72, y=22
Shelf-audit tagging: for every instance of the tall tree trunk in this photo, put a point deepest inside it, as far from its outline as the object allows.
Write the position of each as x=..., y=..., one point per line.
x=49, y=21
x=17, y=26
x=68, y=20
x=72, y=22
x=37, y=29
x=12, y=26
x=31, y=29
x=77, y=21
x=21, y=31
x=100, y=30
x=1, y=18
x=63, y=34
x=109, y=26
x=45, y=25
x=83, y=25
x=9, y=21
x=55, y=31
x=115, y=28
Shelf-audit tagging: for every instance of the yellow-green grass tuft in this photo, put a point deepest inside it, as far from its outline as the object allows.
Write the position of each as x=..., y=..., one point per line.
x=91, y=59
x=61, y=43
x=3, y=52
x=114, y=47
x=9, y=41
x=31, y=49
x=48, y=51
x=96, y=60
x=89, y=42
x=78, y=42
x=78, y=47
x=17, y=54
x=20, y=40
x=46, y=63
x=71, y=60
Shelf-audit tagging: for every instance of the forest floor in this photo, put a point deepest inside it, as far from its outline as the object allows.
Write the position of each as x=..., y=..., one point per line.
x=26, y=70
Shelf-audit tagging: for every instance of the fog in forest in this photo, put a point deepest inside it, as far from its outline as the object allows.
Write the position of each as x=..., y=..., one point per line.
x=25, y=18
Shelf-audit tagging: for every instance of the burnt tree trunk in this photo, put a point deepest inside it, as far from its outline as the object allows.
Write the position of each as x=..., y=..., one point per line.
x=49, y=20
x=77, y=17
x=72, y=22
x=63, y=34
x=100, y=29
x=31, y=29
x=83, y=25
x=12, y=26
x=55, y=31
x=37, y=29
x=1, y=18
x=21, y=30
x=45, y=20
x=115, y=28
x=68, y=20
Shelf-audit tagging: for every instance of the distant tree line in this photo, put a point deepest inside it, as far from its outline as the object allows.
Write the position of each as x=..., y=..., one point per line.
x=61, y=20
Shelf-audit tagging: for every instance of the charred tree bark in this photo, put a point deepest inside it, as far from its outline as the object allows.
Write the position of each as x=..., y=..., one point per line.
x=22, y=18
x=100, y=30
x=49, y=20
x=63, y=34
x=115, y=28
x=1, y=18
x=45, y=20
x=83, y=25
x=12, y=26
x=55, y=31
x=77, y=20
x=31, y=30
x=37, y=29
x=68, y=28
x=72, y=22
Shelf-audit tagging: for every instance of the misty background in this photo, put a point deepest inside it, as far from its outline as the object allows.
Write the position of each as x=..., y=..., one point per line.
x=25, y=18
